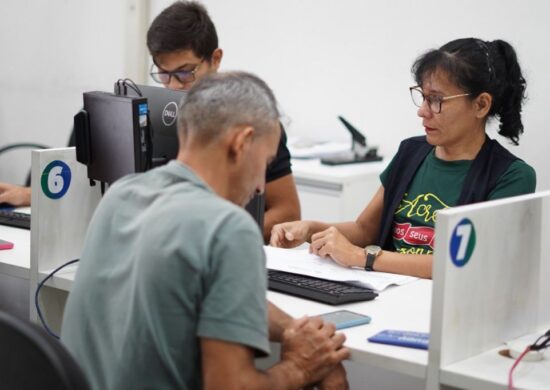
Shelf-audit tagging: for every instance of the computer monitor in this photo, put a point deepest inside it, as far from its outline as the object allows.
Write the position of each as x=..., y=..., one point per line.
x=160, y=126
x=163, y=112
x=112, y=136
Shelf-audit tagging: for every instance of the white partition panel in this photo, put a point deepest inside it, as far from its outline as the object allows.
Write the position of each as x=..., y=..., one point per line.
x=62, y=205
x=490, y=277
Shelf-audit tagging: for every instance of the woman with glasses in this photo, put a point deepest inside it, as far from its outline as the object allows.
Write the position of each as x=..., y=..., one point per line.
x=460, y=86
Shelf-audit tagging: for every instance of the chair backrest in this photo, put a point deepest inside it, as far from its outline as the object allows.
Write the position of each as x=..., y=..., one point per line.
x=32, y=359
x=23, y=145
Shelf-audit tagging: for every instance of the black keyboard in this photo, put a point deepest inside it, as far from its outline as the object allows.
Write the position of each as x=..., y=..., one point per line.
x=326, y=291
x=15, y=219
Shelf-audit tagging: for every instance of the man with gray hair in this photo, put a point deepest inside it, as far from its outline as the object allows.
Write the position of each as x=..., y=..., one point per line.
x=170, y=290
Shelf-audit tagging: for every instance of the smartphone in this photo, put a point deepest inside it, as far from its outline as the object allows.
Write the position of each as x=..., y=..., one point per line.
x=345, y=319
x=6, y=244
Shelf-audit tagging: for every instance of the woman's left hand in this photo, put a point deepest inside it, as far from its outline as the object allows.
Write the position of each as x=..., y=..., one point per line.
x=333, y=244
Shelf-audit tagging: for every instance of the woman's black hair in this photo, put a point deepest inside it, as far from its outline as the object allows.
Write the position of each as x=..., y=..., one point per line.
x=183, y=25
x=477, y=66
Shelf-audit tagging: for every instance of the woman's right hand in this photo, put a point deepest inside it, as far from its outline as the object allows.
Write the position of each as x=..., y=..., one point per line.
x=290, y=234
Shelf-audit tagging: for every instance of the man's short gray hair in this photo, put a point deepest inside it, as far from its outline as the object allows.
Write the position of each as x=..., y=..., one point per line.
x=223, y=100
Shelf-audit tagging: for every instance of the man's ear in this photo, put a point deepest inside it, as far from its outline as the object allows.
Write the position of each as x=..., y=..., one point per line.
x=240, y=142
x=216, y=58
x=483, y=105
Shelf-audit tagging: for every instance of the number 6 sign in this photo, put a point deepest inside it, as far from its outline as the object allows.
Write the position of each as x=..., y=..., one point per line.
x=56, y=179
x=463, y=242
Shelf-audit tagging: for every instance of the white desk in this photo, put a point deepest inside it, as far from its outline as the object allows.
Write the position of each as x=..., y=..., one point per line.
x=335, y=193
x=14, y=272
x=16, y=261
x=404, y=307
x=489, y=371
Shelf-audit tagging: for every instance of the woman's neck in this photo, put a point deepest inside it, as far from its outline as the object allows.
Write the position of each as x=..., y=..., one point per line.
x=465, y=150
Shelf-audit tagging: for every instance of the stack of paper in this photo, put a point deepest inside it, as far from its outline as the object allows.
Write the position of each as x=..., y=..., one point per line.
x=300, y=261
x=305, y=149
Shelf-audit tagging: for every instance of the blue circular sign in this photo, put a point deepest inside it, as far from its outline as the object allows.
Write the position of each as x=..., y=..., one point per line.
x=463, y=242
x=56, y=179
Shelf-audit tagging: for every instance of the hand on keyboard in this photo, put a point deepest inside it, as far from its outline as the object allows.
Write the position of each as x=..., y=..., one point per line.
x=15, y=195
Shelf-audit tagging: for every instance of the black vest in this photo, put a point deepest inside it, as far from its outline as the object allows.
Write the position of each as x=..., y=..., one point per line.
x=488, y=166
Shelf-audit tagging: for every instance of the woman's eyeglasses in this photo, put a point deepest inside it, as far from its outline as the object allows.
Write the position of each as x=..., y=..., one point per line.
x=434, y=101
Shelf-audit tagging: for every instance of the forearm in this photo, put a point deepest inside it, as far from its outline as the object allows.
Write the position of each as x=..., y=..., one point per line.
x=278, y=320
x=281, y=203
x=358, y=234
x=282, y=376
x=405, y=264
x=235, y=370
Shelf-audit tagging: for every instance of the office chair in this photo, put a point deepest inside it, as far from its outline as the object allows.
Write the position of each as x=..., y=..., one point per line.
x=23, y=145
x=32, y=359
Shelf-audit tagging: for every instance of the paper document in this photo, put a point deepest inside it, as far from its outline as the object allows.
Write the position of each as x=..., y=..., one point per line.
x=300, y=261
x=315, y=149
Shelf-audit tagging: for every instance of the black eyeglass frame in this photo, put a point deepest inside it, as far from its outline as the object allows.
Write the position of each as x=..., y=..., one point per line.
x=433, y=98
x=176, y=74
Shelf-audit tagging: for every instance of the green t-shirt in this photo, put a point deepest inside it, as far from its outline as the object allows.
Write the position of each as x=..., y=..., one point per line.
x=437, y=185
x=165, y=263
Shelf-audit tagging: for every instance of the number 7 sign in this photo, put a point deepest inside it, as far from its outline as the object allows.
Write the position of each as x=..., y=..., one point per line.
x=463, y=242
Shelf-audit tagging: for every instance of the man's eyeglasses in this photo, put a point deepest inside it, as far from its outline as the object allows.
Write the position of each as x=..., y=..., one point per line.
x=434, y=101
x=183, y=76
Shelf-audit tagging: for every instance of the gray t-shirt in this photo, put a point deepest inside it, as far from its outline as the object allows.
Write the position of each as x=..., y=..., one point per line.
x=166, y=262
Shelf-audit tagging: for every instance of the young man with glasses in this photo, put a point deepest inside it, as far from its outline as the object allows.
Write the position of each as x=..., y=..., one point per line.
x=183, y=44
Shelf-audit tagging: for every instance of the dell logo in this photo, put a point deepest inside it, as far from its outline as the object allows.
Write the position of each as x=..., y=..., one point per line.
x=169, y=114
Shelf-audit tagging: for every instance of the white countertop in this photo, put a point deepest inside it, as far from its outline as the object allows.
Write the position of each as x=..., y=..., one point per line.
x=314, y=170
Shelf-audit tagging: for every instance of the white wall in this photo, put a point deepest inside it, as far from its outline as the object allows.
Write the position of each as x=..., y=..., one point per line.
x=52, y=51
x=323, y=58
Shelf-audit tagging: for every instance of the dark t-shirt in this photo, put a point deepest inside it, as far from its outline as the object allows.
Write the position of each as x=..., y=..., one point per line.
x=437, y=185
x=281, y=165
x=278, y=168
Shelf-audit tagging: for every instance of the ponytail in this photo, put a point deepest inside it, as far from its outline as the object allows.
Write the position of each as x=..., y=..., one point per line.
x=508, y=90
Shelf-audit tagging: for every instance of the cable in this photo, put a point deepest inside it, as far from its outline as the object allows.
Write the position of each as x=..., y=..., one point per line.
x=23, y=145
x=118, y=87
x=511, y=372
x=131, y=84
x=37, y=292
x=541, y=343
